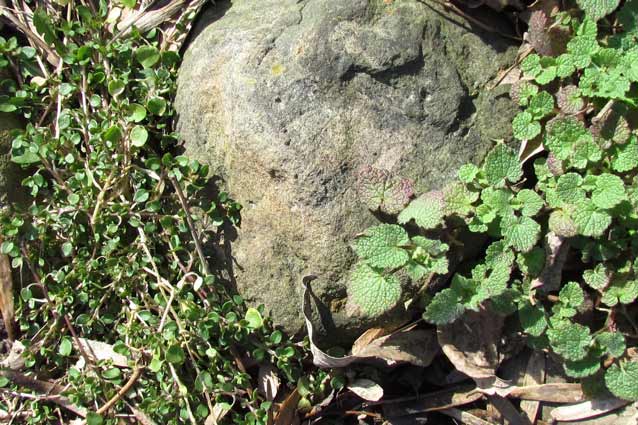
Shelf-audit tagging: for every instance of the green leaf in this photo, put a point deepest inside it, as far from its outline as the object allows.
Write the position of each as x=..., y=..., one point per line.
x=569, y=99
x=498, y=200
x=570, y=340
x=141, y=195
x=136, y=112
x=612, y=342
x=65, y=347
x=568, y=188
x=26, y=158
x=381, y=246
x=459, y=200
x=501, y=165
x=444, y=308
x=147, y=56
x=624, y=292
x=612, y=84
x=530, y=201
x=531, y=263
x=562, y=224
x=598, y=278
x=609, y=191
x=565, y=65
x=254, y=319
x=541, y=105
x=572, y=295
x=597, y=9
x=522, y=233
x=175, y=354
x=525, y=127
x=468, y=172
x=93, y=418
x=156, y=105
x=116, y=87
x=139, y=136
x=532, y=319
x=531, y=65
x=67, y=249
x=563, y=134
x=427, y=211
x=373, y=292
x=113, y=134
x=584, y=367
x=625, y=157
x=589, y=220
x=581, y=49
x=382, y=190
x=622, y=380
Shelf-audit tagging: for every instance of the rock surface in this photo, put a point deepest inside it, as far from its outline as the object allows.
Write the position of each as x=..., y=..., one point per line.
x=286, y=100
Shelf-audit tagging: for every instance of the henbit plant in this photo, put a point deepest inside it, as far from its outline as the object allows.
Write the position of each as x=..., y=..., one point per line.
x=110, y=248
x=579, y=95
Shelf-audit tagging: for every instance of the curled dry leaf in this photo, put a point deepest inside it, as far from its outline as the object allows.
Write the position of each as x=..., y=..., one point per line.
x=269, y=382
x=6, y=297
x=471, y=344
x=366, y=389
x=416, y=346
x=587, y=409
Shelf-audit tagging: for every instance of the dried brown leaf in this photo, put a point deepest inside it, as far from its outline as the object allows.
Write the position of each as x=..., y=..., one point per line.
x=366, y=389
x=471, y=343
x=587, y=409
x=366, y=338
x=556, y=249
x=219, y=411
x=431, y=402
x=534, y=375
x=14, y=360
x=269, y=382
x=465, y=417
x=418, y=347
x=287, y=413
x=102, y=351
x=538, y=34
x=555, y=393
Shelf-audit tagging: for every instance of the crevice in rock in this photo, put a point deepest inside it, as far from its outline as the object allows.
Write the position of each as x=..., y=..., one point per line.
x=388, y=76
x=466, y=111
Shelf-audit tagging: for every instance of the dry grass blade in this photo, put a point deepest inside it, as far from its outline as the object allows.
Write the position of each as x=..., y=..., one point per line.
x=145, y=20
x=103, y=351
x=6, y=297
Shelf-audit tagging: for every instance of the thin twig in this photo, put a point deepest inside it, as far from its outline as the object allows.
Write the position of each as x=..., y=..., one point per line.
x=191, y=225
x=137, y=372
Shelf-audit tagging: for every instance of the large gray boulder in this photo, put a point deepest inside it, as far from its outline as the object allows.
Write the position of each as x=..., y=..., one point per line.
x=287, y=99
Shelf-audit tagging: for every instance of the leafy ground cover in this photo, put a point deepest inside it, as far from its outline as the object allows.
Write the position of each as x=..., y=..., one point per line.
x=117, y=312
